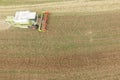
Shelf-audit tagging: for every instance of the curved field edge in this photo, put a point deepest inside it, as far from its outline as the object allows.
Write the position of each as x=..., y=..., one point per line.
x=74, y=6
x=16, y=2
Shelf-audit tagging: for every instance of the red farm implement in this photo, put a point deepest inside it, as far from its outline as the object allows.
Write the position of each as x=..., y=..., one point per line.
x=42, y=21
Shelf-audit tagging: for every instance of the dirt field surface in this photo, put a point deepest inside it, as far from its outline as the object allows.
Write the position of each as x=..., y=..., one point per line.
x=73, y=67
x=4, y=25
x=86, y=49
x=75, y=47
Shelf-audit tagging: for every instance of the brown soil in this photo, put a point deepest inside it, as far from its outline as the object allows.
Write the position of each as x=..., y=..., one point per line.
x=4, y=25
x=61, y=63
x=102, y=62
x=83, y=66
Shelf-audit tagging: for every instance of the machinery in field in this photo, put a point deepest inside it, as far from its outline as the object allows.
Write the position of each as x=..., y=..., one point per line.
x=27, y=19
x=41, y=24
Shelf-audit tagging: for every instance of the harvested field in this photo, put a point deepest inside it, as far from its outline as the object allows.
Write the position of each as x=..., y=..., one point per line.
x=82, y=42
x=81, y=47
x=4, y=25
x=73, y=6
